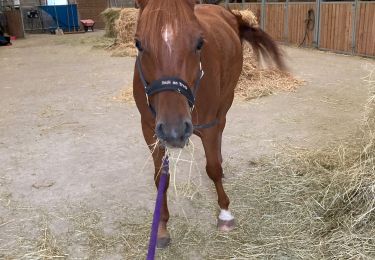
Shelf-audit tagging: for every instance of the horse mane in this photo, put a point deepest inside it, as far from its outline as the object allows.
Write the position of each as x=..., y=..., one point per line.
x=158, y=13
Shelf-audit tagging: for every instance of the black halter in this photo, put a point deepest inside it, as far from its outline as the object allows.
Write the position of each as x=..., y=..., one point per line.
x=172, y=84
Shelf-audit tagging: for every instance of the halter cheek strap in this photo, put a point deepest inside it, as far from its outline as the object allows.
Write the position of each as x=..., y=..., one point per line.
x=173, y=84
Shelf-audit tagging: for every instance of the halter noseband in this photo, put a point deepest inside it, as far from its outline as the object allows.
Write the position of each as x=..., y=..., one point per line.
x=169, y=84
x=173, y=84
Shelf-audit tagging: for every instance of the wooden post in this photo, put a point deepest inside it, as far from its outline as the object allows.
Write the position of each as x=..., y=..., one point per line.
x=263, y=15
x=286, y=18
x=354, y=25
x=316, y=41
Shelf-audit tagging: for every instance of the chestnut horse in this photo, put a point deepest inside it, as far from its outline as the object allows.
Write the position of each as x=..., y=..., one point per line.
x=188, y=64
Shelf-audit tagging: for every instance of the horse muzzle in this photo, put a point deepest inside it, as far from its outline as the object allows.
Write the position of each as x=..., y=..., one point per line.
x=174, y=135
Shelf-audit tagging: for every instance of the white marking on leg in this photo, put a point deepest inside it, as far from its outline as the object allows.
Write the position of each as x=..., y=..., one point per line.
x=225, y=215
x=168, y=36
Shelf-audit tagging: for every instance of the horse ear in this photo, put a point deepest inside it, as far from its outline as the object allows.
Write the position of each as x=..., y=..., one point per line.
x=141, y=3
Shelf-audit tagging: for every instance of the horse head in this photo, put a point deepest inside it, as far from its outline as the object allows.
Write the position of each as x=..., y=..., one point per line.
x=169, y=42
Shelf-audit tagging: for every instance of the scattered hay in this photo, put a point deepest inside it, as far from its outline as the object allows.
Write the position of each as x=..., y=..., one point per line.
x=336, y=192
x=110, y=16
x=256, y=82
x=126, y=95
x=97, y=42
x=298, y=204
x=47, y=245
x=124, y=50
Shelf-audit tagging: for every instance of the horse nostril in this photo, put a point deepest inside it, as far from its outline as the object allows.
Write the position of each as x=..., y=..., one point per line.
x=188, y=129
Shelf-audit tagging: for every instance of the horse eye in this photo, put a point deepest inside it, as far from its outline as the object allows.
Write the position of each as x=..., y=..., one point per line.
x=138, y=45
x=200, y=44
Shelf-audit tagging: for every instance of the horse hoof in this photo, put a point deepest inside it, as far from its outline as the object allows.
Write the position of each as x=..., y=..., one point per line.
x=225, y=225
x=163, y=242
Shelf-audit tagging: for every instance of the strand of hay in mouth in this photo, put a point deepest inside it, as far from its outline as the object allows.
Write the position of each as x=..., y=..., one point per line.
x=110, y=16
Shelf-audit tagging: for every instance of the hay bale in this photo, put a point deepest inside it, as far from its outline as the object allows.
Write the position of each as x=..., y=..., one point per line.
x=126, y=25
x=247, y=15
x=110, y=16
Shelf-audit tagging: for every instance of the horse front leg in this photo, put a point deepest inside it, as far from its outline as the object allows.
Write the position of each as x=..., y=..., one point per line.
x=212, y=147
x=158, y=153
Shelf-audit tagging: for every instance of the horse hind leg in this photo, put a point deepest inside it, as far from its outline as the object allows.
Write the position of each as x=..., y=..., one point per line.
x=158, y=153
x=214, y=170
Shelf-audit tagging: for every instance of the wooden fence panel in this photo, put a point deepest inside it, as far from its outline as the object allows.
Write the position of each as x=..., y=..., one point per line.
x=365, y=33
x=336, y=26
x=335, y=22
x=235, y=6
x=274, y=22
x=297, y=18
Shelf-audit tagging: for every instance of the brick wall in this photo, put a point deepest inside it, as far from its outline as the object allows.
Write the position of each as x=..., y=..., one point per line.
x=91, y=9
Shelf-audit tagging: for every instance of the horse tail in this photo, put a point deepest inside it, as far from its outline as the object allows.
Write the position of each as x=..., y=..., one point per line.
x=260, y=41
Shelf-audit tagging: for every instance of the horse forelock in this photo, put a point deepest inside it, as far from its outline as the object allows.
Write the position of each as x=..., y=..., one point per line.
x=163, y=20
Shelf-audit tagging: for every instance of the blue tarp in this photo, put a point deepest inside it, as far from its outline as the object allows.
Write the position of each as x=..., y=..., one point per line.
x=65, y=16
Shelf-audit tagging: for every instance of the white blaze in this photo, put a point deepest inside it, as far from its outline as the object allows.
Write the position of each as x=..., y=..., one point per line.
x=168, y=36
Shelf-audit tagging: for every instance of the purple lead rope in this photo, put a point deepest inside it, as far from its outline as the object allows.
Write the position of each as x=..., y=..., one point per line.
x=159, y=200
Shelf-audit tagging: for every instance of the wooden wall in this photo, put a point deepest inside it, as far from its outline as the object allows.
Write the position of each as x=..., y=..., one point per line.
x=275, y=22
x=237, y=6
x=365, y=33
x=336, y=26
x=297, y=15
